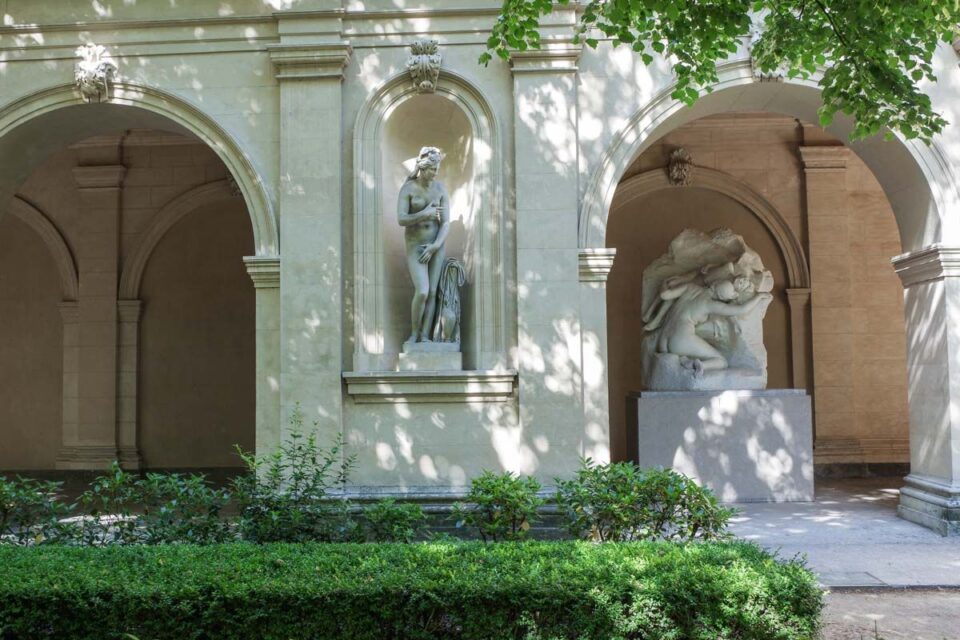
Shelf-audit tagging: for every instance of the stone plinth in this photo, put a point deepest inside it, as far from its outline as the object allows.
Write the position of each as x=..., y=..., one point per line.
x=431, y=356
x=747, y=446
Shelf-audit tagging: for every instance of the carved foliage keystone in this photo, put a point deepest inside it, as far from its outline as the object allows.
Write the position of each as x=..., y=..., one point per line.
x=424, y=65
x=679, y=168
x=94, y=72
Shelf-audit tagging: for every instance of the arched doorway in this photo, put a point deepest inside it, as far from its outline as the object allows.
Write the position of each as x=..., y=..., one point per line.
x=100, y=175
x=917, y=183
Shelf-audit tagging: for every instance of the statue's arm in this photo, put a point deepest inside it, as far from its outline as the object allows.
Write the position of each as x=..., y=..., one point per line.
x=444, y=218
x=726, y=309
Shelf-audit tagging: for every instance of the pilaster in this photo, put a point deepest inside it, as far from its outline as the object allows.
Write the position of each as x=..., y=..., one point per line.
x=311, y=231
x=128, y=367
x=93, y=444
x=594, y=269
x=798, y=299
x=552, y=386
x=265, y=273
x=831, y=299
x=931, y=281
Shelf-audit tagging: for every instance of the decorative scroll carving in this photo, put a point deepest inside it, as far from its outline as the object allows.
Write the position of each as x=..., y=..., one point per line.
x=94, y=72
x=679, y=168
x=703, y=307
x=424, y=64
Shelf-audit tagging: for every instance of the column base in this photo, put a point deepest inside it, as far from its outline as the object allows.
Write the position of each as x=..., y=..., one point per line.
x=86, y=458
x=931, y=503
x=130, y=459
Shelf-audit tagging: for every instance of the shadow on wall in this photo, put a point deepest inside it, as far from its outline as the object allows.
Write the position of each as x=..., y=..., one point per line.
x=746, y=446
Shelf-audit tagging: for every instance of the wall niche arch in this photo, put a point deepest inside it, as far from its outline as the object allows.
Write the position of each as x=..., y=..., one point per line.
x=391, y=129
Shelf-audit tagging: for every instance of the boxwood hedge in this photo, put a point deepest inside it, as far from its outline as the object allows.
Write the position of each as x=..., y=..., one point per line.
x=532, y=590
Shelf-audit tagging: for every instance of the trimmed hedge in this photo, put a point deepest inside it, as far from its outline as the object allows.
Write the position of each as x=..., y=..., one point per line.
x=533, y=590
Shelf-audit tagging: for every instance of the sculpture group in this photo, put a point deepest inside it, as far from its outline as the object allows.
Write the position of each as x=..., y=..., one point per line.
x=703, y=306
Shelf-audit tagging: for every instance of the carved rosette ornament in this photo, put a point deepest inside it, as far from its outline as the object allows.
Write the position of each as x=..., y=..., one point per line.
x=94, y=72
x=424, y=65
x=679, y=167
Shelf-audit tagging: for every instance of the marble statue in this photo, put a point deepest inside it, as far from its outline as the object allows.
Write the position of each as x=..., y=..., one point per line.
x=446, y=326
x=703, y=305
x=94, y=72
x=423, y=212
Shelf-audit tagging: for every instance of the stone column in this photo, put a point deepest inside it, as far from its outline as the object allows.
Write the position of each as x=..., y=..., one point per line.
x=265, y=273
x=127, y=372
x=595, y=265
x=311, y=230
x=828, y=225
x=94, y=444
x=549, y=360
x=798, y=299
x=931, y=281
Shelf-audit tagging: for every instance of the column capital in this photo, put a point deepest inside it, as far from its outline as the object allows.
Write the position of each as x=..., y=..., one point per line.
x=553, y=56
x=824, y=158
x=129, y=310
x=595, y=264
x=264, y=271
x=309, y=61
x=935, y=262
x=101, y=176
x=798, y=296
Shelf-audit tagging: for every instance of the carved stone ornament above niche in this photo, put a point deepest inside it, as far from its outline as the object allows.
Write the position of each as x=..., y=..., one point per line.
x=424, y=64
x=679, y=168
x=94, y=72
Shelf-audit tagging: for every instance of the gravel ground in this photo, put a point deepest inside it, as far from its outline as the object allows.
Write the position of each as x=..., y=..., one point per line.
x=892, y=614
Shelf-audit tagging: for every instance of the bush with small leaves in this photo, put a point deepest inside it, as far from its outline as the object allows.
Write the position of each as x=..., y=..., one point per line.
x=182, y=509
x=31, y=513
x=109, y=506
x=500, y=506
x=389, y=521
x=621, y=501
x=286, y=496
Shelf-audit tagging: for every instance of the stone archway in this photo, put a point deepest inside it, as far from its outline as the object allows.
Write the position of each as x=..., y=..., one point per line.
x=38, y=126
x=920, y=186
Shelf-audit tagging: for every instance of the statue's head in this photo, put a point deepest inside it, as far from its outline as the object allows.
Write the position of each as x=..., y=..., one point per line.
x=428, y=161
x=725, y=290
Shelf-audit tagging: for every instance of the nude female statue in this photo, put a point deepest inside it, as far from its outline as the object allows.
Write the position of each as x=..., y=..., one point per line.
x=693, y=304
x=422, y=210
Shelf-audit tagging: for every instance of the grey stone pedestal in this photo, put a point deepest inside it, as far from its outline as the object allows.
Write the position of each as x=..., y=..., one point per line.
x=932, y=503
x=747, y=446
x=431, y=356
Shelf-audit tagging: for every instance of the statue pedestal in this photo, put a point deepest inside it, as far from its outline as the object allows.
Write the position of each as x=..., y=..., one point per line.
x=747, y=446
x=431, y=356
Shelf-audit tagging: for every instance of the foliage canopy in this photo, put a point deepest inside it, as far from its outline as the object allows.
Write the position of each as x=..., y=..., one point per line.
x=872, y=53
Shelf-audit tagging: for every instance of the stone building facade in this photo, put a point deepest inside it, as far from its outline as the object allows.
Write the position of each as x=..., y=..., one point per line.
x=207, y=243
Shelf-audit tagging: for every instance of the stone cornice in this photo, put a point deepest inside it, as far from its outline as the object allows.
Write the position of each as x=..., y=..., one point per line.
x=307, y=61
x=404, y=387
x=935, y=262
x=104, y=176
x=595, y=264
x=264, y=271
x=824, y=158
x=560, y=56
x=798, y=295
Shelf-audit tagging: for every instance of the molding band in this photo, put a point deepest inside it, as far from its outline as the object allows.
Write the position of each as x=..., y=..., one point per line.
x=595, y=264
x=935, y=262
x=403, y=387
x=264, y=271
x=304, y=62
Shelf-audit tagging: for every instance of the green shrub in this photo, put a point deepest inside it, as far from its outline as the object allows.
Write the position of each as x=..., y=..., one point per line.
x=182, y=509
x=499, y=506
x=286, y=496
x=388, y=521
x=467, y=591
x=621, y=501
x=31, y=513
x=108, y=507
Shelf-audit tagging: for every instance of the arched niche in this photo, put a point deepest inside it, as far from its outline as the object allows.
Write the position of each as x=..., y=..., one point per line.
x=390, y=131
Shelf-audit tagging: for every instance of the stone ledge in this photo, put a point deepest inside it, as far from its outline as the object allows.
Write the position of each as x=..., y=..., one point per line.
x=430, y=386
x=595, y=264
x=930, y=263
